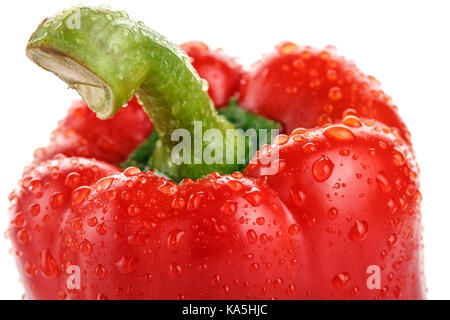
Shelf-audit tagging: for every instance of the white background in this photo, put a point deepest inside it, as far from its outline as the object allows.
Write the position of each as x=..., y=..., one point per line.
x=405, y=44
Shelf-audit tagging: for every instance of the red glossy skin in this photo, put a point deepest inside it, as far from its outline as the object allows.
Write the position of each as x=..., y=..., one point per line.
x=308, y=87
x=353, y=190
x=222, y=72
x=345, y=198
x=39, y=208
x=81, y=133
x=138, y=236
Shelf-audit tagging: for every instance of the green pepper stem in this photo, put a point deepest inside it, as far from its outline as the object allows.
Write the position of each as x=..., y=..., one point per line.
x=108, y=58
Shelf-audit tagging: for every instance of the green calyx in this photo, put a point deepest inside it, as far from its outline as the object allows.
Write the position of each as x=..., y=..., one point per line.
x=239, y=117
x=108, y=58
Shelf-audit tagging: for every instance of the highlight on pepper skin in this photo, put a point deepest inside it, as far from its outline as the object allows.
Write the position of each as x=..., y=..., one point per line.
x=293, y=179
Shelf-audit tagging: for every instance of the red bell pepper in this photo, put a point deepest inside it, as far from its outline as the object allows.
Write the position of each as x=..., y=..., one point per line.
x=338, y=219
